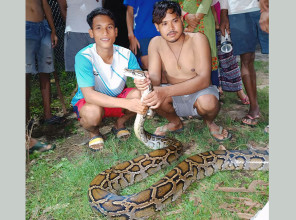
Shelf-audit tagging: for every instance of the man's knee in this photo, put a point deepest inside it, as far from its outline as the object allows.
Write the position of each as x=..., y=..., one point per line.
x=134, y=94
x=206, y=104
x=91, y=115
x=167, y=105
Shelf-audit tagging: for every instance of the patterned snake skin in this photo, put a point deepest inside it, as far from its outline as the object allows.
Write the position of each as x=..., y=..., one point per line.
x=103, y=192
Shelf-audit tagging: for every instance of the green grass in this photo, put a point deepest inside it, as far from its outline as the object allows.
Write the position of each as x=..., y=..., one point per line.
x=56, y=186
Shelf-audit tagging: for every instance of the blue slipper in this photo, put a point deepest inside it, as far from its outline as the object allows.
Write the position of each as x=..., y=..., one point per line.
x=41, y=147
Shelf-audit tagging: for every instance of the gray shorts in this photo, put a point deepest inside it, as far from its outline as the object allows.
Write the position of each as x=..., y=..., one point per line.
x=183, y=105
x=73, y=43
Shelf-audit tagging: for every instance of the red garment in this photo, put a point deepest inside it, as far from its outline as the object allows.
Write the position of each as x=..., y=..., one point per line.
x=109, y=112
x=217, y=8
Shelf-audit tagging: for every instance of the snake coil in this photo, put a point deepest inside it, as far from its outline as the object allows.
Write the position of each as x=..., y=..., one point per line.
x=103, y=192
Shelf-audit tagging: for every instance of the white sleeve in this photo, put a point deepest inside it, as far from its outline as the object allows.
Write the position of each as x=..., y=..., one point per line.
x=224, y=4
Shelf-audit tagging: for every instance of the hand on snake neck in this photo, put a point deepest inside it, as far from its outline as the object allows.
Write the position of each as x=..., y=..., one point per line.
x=156, y=97
x=135, y=105
x=142, y=84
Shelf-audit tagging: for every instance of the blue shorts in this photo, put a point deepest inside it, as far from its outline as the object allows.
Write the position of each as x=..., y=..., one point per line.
x=246, y=33
x=73, y=43
x=38, y=47
x=144, y=43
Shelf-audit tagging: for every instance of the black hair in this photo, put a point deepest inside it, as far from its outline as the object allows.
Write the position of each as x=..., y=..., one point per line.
x=160, y=9
x=99, y=11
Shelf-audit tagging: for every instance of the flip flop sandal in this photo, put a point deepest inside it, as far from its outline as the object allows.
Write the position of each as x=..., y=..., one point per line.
x=253, y=120
x=121, y=133
x=96, y=143
x=41, y=147
x=166, y=130
x=229, y=136
x=266, y=129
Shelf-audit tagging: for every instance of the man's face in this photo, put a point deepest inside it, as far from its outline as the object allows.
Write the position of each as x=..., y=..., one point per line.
x=103, y=31
x=171, y=27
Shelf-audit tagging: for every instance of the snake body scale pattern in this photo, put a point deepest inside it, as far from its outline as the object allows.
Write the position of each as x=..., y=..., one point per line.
x=103, y=192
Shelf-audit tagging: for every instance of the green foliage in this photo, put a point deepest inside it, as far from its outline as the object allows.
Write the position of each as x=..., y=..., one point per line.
x=67, y=83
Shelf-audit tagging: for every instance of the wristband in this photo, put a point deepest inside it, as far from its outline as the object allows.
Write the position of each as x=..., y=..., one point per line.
x=185, y=15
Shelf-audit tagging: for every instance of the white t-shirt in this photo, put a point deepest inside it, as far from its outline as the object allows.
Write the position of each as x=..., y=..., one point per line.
x=239, y=6
x=109, y=79
x=77, y=11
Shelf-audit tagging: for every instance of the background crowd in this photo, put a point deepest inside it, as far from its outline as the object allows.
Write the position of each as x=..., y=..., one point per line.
x=135, y=31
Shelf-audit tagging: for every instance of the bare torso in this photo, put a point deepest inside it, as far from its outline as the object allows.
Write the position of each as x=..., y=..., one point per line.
x=186, y=60
x=34, y=10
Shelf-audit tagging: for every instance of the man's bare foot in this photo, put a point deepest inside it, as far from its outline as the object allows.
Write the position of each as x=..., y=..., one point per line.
x=170, y=127
x=219, y=133
x=36, y=145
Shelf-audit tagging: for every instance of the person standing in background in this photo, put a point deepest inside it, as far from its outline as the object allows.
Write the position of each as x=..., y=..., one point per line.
x=40, y=40
x=119, y=11
x=229, y=72
x=74, y=13
x=140, y=27
x=242, y=20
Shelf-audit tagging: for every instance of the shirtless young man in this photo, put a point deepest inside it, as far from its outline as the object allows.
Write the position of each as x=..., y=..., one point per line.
x=185, y=60
x=40, y=40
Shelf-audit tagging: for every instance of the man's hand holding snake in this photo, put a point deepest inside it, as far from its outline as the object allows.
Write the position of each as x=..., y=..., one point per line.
x=156, y=97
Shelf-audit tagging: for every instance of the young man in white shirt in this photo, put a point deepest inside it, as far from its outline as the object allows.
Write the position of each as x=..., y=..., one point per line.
x=102, y=90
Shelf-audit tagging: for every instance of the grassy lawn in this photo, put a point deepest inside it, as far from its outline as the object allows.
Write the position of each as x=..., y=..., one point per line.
x=57, y=181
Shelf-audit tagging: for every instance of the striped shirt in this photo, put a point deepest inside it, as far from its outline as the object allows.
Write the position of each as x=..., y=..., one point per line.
x=108, y=79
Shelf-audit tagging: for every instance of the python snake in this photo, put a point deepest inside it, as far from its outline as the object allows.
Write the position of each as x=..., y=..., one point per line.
x=103, y=192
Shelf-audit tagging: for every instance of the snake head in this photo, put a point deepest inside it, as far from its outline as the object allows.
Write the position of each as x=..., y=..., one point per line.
x=135, y=73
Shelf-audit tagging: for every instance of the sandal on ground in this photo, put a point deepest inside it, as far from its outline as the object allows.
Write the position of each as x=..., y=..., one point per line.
x=164, y=129
x=229, y=136
x=121, y=133
x=54, y=120
x=245, y=100
x=250, y=121
x=96, y=143
x=266, y=129
x=41, y=147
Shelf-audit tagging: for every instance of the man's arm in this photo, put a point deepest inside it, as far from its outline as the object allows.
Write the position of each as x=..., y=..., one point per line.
x=200, y=81
x=134, y=43
x=194, y=19
x=154, y=61
x=63, y=8
x=224, y=22
x=264, y=17
x=97, y=98
x=48, y=15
